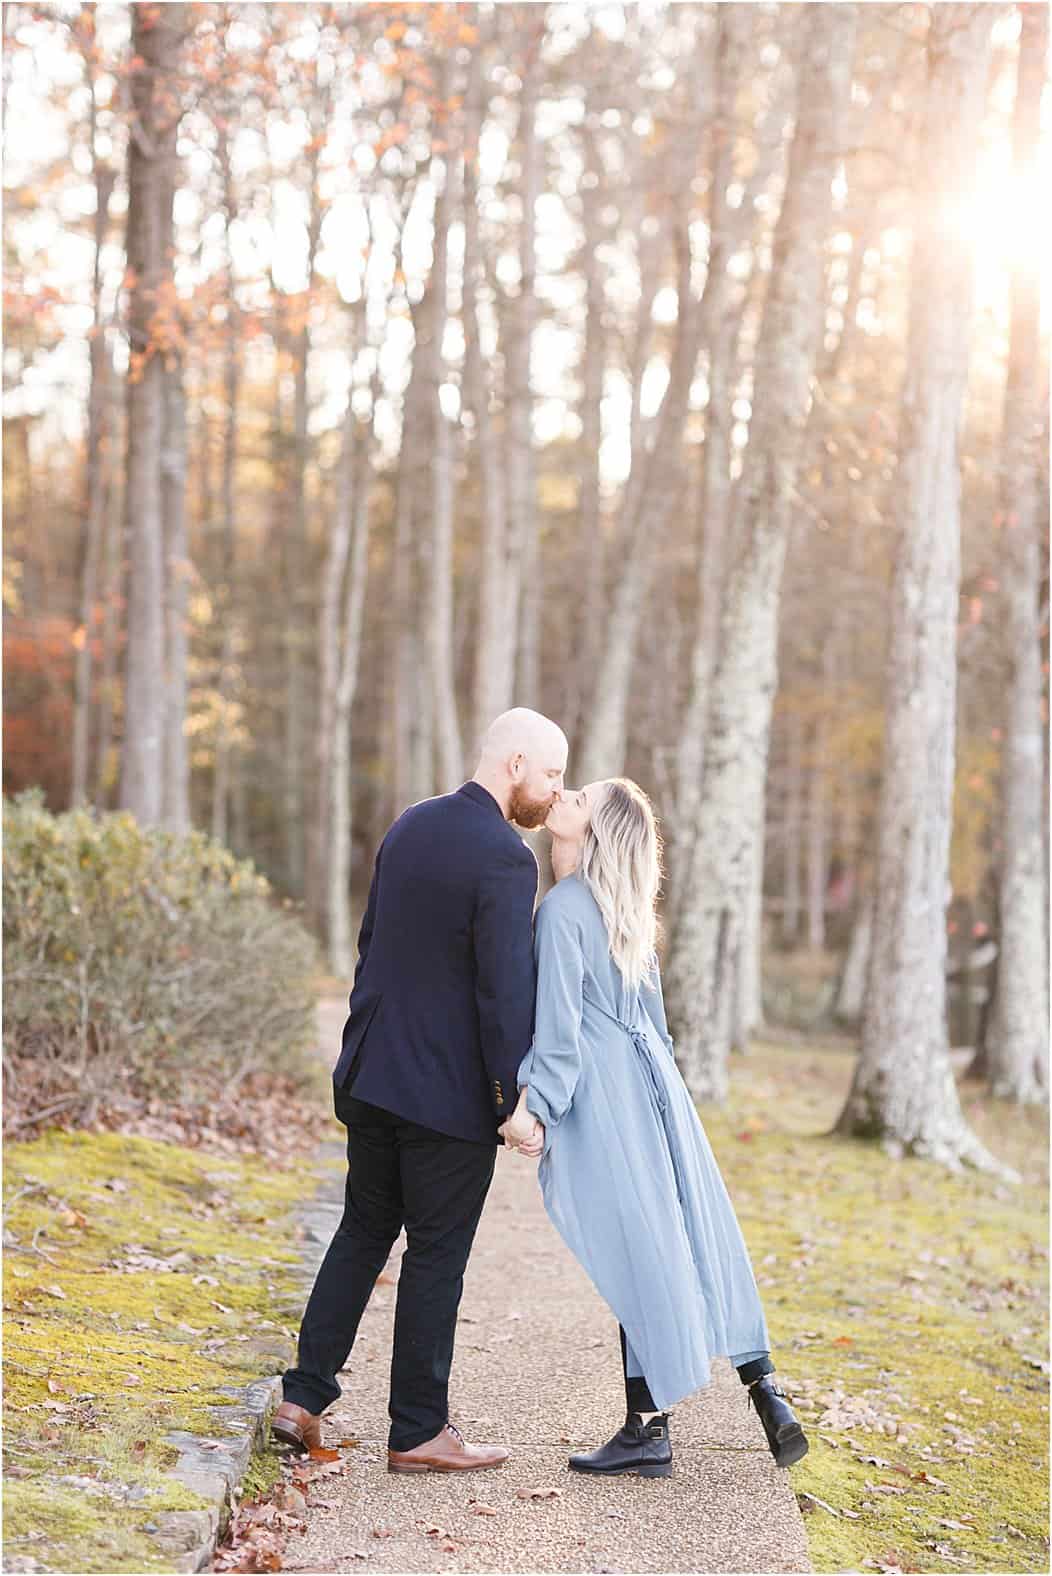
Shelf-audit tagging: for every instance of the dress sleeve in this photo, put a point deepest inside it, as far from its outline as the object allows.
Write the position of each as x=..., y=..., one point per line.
x=654, y=1006
x=552, y=1065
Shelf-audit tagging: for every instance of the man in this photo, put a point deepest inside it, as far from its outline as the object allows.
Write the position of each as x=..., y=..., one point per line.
x=441, y=1014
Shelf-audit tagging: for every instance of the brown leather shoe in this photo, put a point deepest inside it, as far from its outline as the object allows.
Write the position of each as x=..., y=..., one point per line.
x=294, y=1425
x=447, y=1452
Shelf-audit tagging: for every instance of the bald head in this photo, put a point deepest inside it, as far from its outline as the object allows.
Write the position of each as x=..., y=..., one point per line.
x=521, y=732
x=521, y=763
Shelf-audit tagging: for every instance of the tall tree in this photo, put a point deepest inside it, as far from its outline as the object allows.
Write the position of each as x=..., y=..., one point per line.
x=154, y=90
x=98, y=438
x=656, y=482
x=522, y=562
x=449, y=749
x=495, y=654
x=903, y=1089
x=707, y=947
x=1019, y=1048
x=176, y=797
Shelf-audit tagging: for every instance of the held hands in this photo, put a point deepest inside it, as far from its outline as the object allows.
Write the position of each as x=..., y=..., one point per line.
x=522, y=1131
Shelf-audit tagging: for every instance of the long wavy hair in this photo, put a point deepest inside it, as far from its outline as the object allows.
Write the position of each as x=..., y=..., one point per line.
x=621, y=866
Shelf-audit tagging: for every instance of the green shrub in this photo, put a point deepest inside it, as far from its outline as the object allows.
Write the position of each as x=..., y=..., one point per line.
x=140, y=961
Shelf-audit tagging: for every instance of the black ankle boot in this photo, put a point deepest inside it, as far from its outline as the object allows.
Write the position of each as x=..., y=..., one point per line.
x=785, y=1437
x=637, y=1447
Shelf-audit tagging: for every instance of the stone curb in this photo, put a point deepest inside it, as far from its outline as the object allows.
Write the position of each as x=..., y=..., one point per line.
x=214, y=1469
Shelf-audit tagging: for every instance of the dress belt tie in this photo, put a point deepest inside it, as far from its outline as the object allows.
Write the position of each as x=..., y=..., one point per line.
x=644, y=1051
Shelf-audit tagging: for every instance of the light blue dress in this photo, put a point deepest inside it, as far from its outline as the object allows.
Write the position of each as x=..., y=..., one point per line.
x=627, y=1174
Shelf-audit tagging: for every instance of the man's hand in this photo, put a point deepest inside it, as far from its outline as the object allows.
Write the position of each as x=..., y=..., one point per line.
x=523, y=1132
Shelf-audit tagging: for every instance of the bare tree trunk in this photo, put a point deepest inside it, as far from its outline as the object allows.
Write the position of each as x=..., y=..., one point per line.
x=851, y=991
x=793, y=825
x=724, y=319
x=406, y=718
x=113, y=578
x=704, y=958
x=656, y=483
x=98, y=440
x=450, y=752
x=748, y=999
x=904, y=1090
x=1019, y=1048
x=338, y=866
x=179, y=569
x=420, y=690
x=494, y=662
x=818, y=822
x=606, y=737
x=177, y=564
x=227, y=592
x=156, y=39
x=297, y=599
x=593, y=559
x=522, y=558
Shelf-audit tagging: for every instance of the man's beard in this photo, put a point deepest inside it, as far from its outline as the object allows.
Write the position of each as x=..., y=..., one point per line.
x=525, y=812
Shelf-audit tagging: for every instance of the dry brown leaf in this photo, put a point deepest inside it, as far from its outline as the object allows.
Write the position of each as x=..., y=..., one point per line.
x=319, y=1453
x=383, y=1532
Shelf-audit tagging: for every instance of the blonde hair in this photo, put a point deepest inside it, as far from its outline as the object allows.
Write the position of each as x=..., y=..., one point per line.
x=621, y=866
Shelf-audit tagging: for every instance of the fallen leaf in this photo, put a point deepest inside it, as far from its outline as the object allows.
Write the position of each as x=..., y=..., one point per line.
x=479, y=1509
x=383, y=1532
x=927, y=1477
x=348, y=1443
x=813, y=1499
x=319, y=1453
x=539, y=1493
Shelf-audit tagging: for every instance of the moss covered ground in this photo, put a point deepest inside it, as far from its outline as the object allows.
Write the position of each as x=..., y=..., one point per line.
x=143, y=1283
x=908, y=1312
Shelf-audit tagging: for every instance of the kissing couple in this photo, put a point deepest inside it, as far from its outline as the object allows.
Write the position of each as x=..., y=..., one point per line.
x=472, y=1023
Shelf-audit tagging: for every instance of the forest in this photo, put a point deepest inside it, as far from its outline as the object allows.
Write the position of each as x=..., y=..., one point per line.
x=680, y=371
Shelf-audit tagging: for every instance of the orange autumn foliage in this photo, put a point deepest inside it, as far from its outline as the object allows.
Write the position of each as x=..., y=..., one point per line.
x=38, y=706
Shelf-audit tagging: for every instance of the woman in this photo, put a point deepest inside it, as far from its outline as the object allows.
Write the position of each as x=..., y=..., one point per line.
x=628, y=1177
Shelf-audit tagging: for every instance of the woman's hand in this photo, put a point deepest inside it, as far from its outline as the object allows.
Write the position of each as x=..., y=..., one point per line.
x=522, y=1130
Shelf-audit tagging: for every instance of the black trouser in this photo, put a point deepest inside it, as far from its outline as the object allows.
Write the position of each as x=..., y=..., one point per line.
x=398, y=1174
x=637, y=1391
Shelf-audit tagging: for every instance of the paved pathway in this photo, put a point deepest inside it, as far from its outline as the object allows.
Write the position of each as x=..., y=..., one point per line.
x=537, y=1368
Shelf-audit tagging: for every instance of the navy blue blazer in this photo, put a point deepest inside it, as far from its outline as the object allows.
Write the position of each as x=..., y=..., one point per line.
x=441, y=1013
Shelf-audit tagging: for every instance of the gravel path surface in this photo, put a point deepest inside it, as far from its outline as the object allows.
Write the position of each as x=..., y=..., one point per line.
x=537, y=1369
